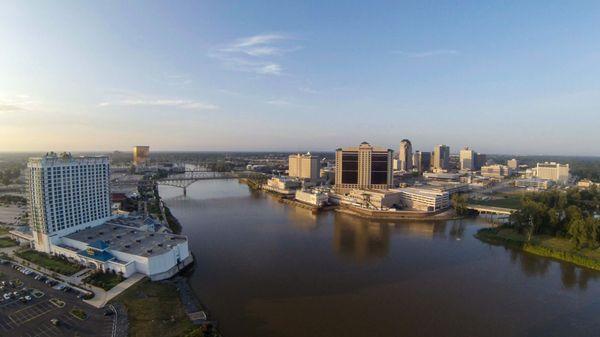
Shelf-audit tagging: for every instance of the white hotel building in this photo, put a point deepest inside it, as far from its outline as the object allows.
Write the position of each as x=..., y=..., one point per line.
x=70, y=215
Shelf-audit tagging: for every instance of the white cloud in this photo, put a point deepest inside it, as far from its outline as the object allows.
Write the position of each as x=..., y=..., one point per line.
x=172, y=103
x=279, y=102
x=255, y=53
x=427, y=53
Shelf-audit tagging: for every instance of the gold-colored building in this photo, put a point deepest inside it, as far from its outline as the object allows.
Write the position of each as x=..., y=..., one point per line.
x=141, y=154
x=304, y=166
x=363, y=167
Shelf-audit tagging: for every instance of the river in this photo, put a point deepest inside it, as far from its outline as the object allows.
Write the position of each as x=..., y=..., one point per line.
x=269, y=269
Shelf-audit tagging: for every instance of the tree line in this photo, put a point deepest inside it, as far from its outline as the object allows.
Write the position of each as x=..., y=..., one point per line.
x=571, y=214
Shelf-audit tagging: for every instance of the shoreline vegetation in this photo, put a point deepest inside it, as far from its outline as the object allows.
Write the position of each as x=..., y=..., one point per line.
x=563, y=225
x=560, y=249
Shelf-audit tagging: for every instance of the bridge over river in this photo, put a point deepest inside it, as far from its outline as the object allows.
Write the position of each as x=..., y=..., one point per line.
x=483, y=209
x=184, y=180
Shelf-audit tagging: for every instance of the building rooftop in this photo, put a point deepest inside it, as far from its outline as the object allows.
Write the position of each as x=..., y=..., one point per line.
x=127, y=239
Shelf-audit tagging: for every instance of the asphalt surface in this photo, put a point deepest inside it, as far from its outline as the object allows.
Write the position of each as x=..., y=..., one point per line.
x=33, y=318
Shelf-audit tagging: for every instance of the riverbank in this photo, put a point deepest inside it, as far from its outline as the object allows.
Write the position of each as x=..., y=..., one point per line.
x=398, y=215
x=547, y=246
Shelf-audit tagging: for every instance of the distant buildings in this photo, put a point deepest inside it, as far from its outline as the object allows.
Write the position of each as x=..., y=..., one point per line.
x=496, y=171
x=405, y=156
x=363, y=167
x=441, y=157
x=534, y=183
x=304, y=167
x=481, y=161
x=468, y=160
x=513, y=164
x=552, y=171
x=586, y=183
x=422, y=161
x=141, y=154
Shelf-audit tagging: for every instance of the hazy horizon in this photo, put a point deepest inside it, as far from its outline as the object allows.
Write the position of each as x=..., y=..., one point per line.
x=513, y=78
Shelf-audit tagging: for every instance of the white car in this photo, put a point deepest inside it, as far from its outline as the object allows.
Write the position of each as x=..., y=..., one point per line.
x=6, y=296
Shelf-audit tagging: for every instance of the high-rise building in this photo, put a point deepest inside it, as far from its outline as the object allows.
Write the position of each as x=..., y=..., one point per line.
x=141, y=154
x=66, y=194
x=468, y=159
x=481, y=161
x=304, y=166
x=513, y=164
x=363, y=167
x=552, y=171
x=422, y=161
x=405, y=156
x=441, y=157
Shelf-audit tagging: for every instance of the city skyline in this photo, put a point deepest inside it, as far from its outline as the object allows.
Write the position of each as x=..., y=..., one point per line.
x=502, y=78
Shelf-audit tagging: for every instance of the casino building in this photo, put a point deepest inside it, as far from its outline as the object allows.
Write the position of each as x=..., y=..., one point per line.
x=363, y=167
x=70, y=215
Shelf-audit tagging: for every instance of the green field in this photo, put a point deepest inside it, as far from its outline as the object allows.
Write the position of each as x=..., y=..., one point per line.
x=4, y=230
x=155, y=309
x=505, y=201
x=543, y=245
x=6, y=242
x=53, y=263
x=105, y=281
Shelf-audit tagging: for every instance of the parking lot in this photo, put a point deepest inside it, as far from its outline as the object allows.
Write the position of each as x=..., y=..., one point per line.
x=35, y=307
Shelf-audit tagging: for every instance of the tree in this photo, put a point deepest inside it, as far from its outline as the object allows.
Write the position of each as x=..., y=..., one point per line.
x=459, y=202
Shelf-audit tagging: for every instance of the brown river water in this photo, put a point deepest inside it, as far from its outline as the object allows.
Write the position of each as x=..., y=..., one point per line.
x=269, y=269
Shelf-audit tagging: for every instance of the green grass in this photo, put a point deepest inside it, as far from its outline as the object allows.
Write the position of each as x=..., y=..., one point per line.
x=79, y=313
x=505, y=201
x=6, y=242
x=4, y=230
x=53, y=263
x=154, y=309
x=543, y=245
x=105, y=281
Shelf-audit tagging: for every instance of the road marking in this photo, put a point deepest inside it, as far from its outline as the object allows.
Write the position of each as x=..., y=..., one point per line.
x=27, y=314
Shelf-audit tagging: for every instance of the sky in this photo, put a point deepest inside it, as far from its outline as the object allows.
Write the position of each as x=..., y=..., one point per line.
x=506, y=77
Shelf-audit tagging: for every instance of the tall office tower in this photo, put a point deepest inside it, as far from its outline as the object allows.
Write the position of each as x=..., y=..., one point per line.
x=513, y=164
x=141, y=154
x=481, y=161
x=405, y=156
x=422, y=161
x=304, y=166
x=468, y=159
x=441, y=157
x=66, y=194
x=553, y=171
x=363, y=167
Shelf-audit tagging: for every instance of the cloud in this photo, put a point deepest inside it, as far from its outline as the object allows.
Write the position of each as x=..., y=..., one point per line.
x=279, y=102
x=172, y=103
x=255, y=53
x=427, y=53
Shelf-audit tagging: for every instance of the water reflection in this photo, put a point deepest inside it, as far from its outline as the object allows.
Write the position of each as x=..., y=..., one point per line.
x=359, y=239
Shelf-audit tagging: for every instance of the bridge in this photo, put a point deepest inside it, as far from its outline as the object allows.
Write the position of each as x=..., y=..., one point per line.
x=184, y=180
x=482, y=209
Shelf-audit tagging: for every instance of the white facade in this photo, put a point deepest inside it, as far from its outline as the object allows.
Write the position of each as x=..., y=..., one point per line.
x=312, y=197
x=303, y=166
x=423, y=199
x=66, y=194
x=552, y=171
x=468, y=159
x=405, y=155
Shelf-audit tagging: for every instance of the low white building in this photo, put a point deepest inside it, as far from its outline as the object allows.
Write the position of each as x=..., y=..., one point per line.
x=313, y=197
x=423, y=199
x=123, y=246
x=282, y=185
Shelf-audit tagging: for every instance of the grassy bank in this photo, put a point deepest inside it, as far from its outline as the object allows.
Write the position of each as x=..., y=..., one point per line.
x=56, y=264
x=155, y=309
x=553, y=247
x=504, y=201
x=6, y=242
